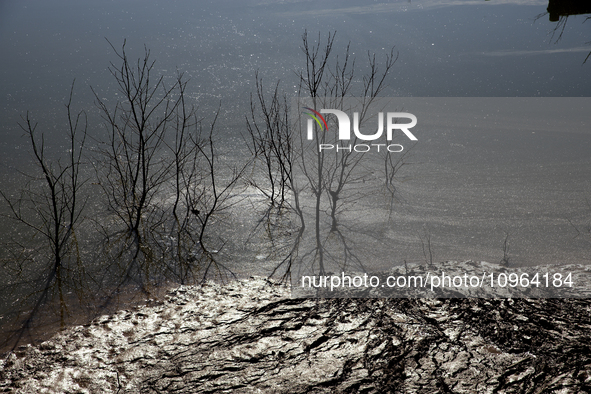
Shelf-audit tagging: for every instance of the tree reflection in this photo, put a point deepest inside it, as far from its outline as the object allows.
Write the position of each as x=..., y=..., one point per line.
x=560, y=10
x=48, y=211
x=149, y=208
x=334, y=185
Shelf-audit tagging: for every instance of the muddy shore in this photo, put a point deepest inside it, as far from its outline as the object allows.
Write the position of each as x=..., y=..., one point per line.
x=251, y=336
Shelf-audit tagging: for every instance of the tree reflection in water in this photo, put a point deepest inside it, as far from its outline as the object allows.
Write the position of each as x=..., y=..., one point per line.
x=559, y=11
x=132, y=213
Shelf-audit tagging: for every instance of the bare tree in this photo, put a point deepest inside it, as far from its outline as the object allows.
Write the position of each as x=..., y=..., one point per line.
x=160, y=177
x=335, y=178
x=134, y=169
x=50, y=207
x=561, y=20
x=138, y=172
x=200, y=198
x=271, y=141
x=163, y=187
x=212, y=198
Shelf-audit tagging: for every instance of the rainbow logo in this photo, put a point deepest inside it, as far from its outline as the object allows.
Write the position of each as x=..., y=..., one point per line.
x=315, y=115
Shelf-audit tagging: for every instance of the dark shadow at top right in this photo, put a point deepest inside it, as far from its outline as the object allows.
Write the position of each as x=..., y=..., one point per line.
x=564, y=8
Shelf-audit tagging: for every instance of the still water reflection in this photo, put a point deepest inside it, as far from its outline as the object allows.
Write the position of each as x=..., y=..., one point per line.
x=558, y=9
x=452, y=48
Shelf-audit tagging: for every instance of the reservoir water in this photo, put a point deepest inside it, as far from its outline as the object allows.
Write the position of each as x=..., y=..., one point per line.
x=464, y=192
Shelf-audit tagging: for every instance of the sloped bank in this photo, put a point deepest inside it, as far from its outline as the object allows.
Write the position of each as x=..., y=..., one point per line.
x=250, y=336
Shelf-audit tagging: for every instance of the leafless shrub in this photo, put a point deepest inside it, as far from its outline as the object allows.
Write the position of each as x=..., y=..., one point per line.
x=335, y=178
x=48, y=212
x=159, y=177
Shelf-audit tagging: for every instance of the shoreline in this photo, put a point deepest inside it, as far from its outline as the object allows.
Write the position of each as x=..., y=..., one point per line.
x=249, y=335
